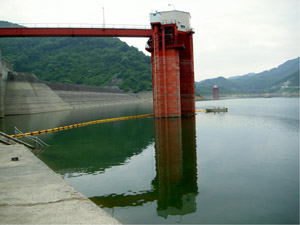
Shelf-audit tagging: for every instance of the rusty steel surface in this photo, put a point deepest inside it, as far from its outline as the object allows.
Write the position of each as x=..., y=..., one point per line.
x=187, y=80
x=172, y=71
x=74, y=32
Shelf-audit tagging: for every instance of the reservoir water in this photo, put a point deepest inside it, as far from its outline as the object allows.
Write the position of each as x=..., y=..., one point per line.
x=240, y=167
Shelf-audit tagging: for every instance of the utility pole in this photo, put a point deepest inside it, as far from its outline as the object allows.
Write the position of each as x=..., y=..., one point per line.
x=103, y=17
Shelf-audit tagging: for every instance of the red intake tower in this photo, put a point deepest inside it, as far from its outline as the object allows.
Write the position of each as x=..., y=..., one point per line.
x=171, y=47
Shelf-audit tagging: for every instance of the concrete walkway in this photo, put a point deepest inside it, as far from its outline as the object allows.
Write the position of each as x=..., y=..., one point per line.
x=31, y=193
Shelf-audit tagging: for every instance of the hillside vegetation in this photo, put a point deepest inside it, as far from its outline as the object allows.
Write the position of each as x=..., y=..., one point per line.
x=284, y=78
x=107, y=62
x=84, y=60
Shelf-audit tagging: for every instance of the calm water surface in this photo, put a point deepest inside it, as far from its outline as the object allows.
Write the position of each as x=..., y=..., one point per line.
x=240, y=167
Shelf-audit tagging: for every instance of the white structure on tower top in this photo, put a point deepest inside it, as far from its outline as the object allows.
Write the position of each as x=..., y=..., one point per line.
x=182, y=19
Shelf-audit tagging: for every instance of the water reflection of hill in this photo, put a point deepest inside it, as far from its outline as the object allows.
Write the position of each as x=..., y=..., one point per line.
x=94, y=148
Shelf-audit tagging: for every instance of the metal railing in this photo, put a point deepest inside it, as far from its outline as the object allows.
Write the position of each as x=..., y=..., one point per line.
x=79, y=25
x=172, y=21
x=35, y=139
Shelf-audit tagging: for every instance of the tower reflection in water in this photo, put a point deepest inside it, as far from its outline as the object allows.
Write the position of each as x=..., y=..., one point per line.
x=176, y=166
x=175, y=185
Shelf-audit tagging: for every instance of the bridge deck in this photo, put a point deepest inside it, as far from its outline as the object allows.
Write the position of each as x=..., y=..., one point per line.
x=74, y=32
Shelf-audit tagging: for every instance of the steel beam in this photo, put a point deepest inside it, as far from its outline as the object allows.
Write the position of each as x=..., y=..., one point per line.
x=74, y=32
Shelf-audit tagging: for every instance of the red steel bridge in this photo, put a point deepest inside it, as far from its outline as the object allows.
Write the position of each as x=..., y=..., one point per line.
x=74, y=32
x=170, y=41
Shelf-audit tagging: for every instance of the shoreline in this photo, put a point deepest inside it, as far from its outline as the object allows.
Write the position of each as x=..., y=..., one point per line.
x=264, y=95
x=32, y=193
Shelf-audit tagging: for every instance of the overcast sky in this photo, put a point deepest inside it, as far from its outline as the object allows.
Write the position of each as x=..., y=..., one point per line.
x=232, y=37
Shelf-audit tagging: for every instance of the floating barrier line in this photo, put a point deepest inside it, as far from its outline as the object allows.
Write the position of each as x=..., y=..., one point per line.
x=79, y=125
x=201, y=110
x=84, y=124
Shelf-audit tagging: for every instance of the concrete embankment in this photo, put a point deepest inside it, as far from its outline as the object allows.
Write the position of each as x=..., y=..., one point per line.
x=31, y=193
x=95, y=99
x=81, y=96
x=26, y=94
x=22, y=93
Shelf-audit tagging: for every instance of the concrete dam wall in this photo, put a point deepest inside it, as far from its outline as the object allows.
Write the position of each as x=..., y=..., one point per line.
x=5, y=67
x=23, y=93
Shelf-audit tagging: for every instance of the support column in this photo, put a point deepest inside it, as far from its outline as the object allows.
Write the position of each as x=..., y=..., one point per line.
x=165, y=76
x=172, y=70
x=187, y=81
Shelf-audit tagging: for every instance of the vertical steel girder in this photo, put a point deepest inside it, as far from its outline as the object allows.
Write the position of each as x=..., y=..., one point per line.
x=172, y=71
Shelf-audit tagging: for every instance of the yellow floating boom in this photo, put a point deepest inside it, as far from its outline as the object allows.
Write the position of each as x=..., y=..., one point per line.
x=79, y=125
x=201, y=110
x=84, y=124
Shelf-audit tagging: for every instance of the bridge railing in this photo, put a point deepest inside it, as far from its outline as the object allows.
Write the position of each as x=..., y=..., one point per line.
x=79, y=25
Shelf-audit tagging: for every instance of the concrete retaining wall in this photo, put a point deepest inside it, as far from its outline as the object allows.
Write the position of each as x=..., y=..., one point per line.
x=26, y=94
x=22, y=93
x=5, y=67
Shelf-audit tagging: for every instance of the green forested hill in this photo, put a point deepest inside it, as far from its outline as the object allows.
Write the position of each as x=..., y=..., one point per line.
x=284, y=78
x=88, y=61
